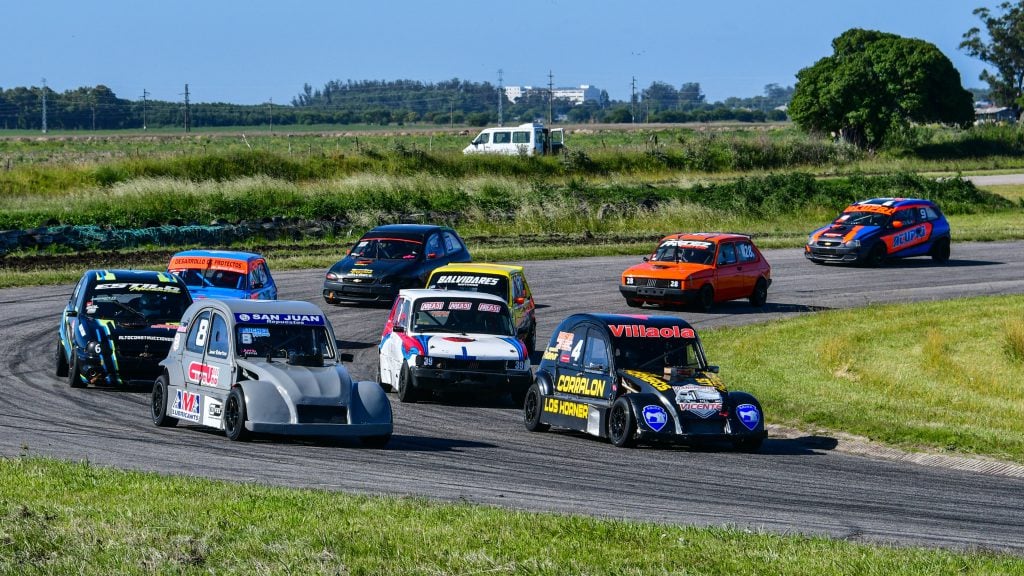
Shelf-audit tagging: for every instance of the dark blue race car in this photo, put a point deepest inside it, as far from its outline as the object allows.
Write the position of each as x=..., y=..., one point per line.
x=633, y=378
x=872, y=231
x=390, y=258
x=118, y=325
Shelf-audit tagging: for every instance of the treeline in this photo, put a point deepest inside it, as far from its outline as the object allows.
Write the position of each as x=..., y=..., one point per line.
x=400, y=102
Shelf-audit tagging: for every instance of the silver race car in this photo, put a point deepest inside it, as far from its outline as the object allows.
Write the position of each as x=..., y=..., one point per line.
x=251, y=366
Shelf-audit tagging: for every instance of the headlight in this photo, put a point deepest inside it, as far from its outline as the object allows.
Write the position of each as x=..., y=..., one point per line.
x=629, y=280
x=94, y=348
x=518, y=365
x=810, y=239
x=333, y=276
x=852, y=244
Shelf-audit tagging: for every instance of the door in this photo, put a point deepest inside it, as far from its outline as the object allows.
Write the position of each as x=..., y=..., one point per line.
x=747, y=268
x=728, y=273
x=392, y=353
x=216, y=374
x=186, y=402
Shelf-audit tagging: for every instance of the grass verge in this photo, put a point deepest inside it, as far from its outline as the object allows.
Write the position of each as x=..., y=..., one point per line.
x=940, y=376
x=75, y=518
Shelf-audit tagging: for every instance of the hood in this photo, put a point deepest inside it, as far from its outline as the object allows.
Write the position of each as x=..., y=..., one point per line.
x=843, y=233
x=218, y=293
x=651, y=382
x=665, y=269
x=328, y=384
x=375, y=268
x=474, y=347
x=133, y=336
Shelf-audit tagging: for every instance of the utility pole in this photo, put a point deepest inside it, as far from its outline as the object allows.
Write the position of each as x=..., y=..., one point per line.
x=44, y=105
x=188, y=127
x=501, y=95
x=144, y=94
x=270, y=107
x=551, y=96
x=632, y=101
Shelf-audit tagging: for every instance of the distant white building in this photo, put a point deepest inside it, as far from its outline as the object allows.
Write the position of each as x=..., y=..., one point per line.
x=577, y=95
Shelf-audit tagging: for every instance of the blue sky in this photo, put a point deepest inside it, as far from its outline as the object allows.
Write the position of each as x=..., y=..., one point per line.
x=253, y=51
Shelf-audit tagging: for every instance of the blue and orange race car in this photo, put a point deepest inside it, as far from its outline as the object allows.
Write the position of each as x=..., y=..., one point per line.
x=224, y=274
x=872, y=231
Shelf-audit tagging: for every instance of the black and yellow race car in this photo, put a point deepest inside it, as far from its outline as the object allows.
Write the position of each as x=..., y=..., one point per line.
x=632, y=378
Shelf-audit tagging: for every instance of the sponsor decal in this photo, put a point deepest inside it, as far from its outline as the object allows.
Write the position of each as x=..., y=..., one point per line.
x=129, y=338
x=488, y=307
x=550, y=354
x=460, y=305
x=702, y=409
x=749, y=415
x=564, y=341
x=659, y=384
x=655, y=417
x=870, y=208
x=203, y=374
x=246, y=338
x=581, y=386
x=566, y=408
x=458, y=339
x=187, y=406
x=177, y=342
x=167, y=326
x=361, y=271
x=910, y=237
x=564, y=358
x=254, y=331
x=291, y=319
x=203, y=262
x=642, y=331
x=428, y=306
x=466, y=280
x=139, y=287
x=698, y=244
x=214, y=409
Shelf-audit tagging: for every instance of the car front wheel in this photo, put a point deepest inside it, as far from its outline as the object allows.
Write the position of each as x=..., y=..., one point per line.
x=532, y=408
x=622, y=424
x=705, y=298
x=407, y=391
x=234, y=415
x=158, y=403
x=62, y=361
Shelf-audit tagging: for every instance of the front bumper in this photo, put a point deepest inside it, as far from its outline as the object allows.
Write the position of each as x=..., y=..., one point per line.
x=117, y=370
x=662, y=295
x=326, y=430
x=831, y=254
x=449, y=379
x=341, y=291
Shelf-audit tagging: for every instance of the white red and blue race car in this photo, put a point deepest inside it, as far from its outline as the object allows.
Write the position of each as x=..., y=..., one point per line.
x=445, y=340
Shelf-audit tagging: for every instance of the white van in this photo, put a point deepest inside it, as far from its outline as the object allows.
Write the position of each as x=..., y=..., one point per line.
x=525, y=139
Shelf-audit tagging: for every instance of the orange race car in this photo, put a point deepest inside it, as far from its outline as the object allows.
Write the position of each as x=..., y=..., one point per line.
x=699, y=269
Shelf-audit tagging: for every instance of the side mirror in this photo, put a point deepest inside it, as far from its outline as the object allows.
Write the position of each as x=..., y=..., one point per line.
x=398, y=328
x=519, y=300
x=712, y=369
x=647, y=259
x=346, y=357
x=257, y=285
x=72, y=313
x=897, y=224
x=431, y=255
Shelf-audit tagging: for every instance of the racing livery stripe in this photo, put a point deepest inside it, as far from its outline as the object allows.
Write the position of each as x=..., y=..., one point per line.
x=520, y=347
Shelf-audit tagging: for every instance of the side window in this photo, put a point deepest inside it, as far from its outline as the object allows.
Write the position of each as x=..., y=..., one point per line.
x=502, y=137
x=451, y=243
x=483, y=138
x=199, y=333
x=520, y=137
x=76, y=295
x=434, y=245
x=403, y=314
x=518, y=289
x=746, y=250
x=596, y=356
x=727, y=254
x=219, y=338
x=929, y=214
x=907, y=216
x=570, y=346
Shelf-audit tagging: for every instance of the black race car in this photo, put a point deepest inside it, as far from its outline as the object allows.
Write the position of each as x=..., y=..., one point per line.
x=637, y=378
x=390, y=258
x=118, y=325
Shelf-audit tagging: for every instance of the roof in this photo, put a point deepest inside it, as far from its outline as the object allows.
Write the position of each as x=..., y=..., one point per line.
x=627, y=319
x=892, y=202
x=239, y=306
x=410, y=229
x=418, y=293
x=132, y=276
x=477, y=267
x=215, y=259
x=228, y=254
x=706, y=236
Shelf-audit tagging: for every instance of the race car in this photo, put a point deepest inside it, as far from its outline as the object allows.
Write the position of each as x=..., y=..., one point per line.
x=872, y=231
x=699, y=269
x=390, y=258
x=505, y=281
x=443, y=340
x=265, y=366
x=224, y=274
x=117, y=326
x=638, y=379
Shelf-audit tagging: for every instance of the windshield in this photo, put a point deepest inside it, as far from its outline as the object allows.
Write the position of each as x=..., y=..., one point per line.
x=149, y=303
x=387, y=249
x=486, y=283
x=683, y=251
x=463, y=316
x=211, y=278
x=862, y=219
x=655, y=355
x=282, y=341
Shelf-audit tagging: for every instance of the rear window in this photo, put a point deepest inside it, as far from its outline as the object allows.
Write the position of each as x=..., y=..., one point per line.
x=470, y=282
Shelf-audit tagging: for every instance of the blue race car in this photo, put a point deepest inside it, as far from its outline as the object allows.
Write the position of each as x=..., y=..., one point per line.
x=872, y=231
x=224, y=274
x=118, y=325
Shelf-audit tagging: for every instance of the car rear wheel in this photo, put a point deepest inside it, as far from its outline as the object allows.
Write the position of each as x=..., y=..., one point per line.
x=61, y=361
x=234, y=415
x=532, y=408
x=74, y=376
x=158, y=403
x=622, y=424
x=940, y=251
x=705, y=298
x=407, y=391
x=759, y=297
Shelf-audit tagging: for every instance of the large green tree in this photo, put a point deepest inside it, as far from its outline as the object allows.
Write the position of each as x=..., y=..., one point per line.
x=1004, y=50
x=876, y=82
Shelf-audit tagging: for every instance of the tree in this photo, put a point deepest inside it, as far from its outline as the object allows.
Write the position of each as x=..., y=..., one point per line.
x=876, y=82
x=690, y=95
x=1004, y=51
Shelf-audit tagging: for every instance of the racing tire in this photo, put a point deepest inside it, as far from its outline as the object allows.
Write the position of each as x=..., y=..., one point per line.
x=532, y=409
x=940, y=251
x=234, y=415
x=759, y=297
x=158, y=404
x=875, y=257
x=378, y=441
x=61, y=361
x=622, y=424
x=531, y=339
x=634, y=303
x=385, y=387
x=74, y=376
x=705, y=298
x=407, y=392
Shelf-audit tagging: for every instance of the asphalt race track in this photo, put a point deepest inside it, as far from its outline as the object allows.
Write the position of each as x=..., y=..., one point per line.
x=482, y=454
